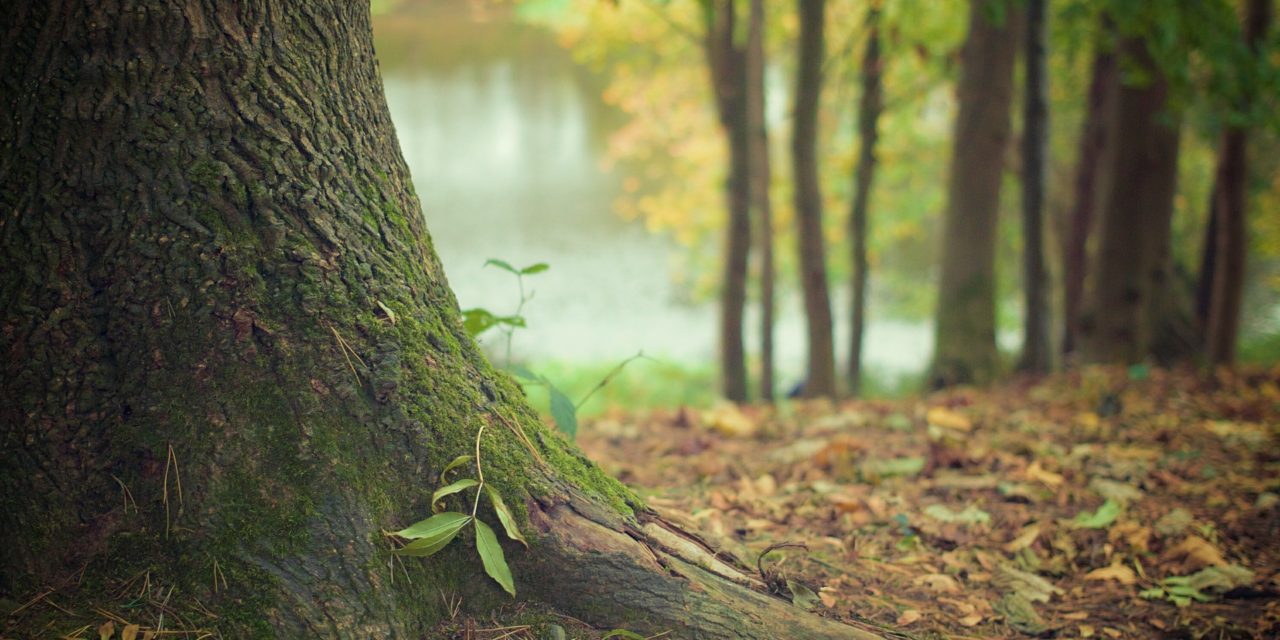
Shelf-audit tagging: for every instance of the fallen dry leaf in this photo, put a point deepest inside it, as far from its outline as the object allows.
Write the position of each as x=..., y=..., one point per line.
x=940, y=582
x=948, y=419
x=1193, y=553
x=1118, y=572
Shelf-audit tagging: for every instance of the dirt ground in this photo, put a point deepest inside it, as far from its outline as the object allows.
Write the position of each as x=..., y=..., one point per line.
x=1103, y=503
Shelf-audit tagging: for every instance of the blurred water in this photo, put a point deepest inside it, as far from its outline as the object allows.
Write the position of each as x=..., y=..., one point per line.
x=504, y=136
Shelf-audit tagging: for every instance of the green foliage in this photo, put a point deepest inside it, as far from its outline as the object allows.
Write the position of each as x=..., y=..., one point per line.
x=432, y=534
x=495, y=564
x=1100, y=519
x=429, y=536
x=1203, y=586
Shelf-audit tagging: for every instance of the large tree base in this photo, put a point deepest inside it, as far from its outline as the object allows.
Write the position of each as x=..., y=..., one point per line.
x=652, y=577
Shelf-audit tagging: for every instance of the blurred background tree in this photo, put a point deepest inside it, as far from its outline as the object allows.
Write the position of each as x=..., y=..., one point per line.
x=1199, y=77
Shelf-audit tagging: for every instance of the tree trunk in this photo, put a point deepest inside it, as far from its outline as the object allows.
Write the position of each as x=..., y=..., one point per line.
x=1036, y=353
x=726, y=59
x=1096, y=144
x=1230, y=210
x=232, y=358
x=1134, y=262
x=820, y=379
x=869, y=108
x=965, y=345
x=761, y=179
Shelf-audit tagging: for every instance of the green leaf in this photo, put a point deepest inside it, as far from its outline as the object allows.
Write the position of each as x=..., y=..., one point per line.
x=505, y=516
x=885, y=468
x=426, y=547
x=432, y=534
x=456, y=486
x=970, y=515
x=511, y=321
x=1100, y=519
x=802, y=596
x=563, y=411
x=454, y=464
x=534, y=268
x=502, y=264
x=495, y=564
x=435, y=526
x=623, y=633
x=477, y=321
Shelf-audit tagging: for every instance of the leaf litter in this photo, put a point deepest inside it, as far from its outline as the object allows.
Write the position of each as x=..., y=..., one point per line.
x=1092, y=503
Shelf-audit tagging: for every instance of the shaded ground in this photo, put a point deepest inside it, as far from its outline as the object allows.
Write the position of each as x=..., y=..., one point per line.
x=1104, y=503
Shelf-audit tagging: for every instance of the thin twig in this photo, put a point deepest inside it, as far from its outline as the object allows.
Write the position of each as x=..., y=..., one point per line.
x=346, y=349
x=519, y=431
x=774, y=547
x=608, y=377
x=479, y=470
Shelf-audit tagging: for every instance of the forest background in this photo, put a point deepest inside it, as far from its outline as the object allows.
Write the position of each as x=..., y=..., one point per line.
x=585, y=135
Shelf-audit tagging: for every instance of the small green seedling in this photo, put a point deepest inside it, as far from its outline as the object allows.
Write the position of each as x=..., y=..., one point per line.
x=478, y=320
x=429, y=536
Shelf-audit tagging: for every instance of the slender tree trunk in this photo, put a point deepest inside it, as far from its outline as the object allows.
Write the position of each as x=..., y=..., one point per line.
x=1133, y=262
x=965, y=345
x=726, y=59
x=820, y=380
x=1230, y=210
x=761, y=178
x=869, y=108
x=1208, y=262
x=232, y=357
x=1096, y=144
x=1036, y=352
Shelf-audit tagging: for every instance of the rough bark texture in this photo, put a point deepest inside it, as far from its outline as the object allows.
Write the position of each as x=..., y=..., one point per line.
x=965, y=345
x=761, y=203
x=869, y=108
x=726, y=59
x=230, y=358
x=1091, y=171
x=1036, y=353
x=820, y=379
x=1229, y=216
x=1130, y=286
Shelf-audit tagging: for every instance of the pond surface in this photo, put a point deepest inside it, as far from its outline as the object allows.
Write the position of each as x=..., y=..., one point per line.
x=505, y=137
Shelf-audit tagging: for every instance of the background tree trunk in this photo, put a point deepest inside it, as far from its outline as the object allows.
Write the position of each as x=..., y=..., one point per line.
x=820, y=380
x=869, y=109
x=231, y=355
x=726, y=58
x=1229, y=214
x=965, y=345
x=1133, y=260
x=761, y=179
x=1036, y=352
x=1096, y=145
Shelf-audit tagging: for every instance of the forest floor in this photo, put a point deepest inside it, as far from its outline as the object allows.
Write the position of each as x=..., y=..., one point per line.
x=1103, y=503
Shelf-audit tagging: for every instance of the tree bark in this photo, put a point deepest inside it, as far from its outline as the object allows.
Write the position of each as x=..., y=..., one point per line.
x=1036, y=352
x=1134, y=261
x=231, y=356
x=869, y=109
x=726, y=59
x=820, y=379
x=1230, y=211
x=965, y=344
x=1096, y=144
x=761, y=179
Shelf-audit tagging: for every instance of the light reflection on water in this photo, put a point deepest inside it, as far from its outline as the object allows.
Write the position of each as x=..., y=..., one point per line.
x=505, y=148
